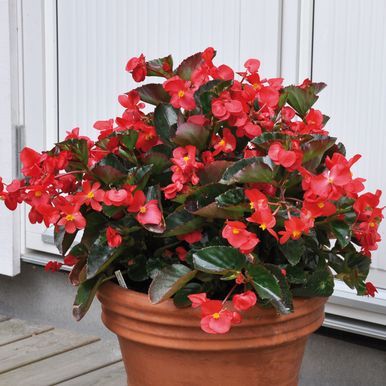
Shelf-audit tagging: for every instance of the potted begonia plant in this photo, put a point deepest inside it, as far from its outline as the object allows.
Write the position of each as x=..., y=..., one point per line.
x=228, y=204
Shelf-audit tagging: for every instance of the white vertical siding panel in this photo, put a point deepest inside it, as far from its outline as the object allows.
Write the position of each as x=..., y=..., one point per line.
x=96, y=38
x=350, y=56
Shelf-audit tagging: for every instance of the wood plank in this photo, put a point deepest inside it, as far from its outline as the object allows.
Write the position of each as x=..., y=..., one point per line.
x=13, y=330
x=113, y=375
x=3, y=318
x=38, y=347
x=62, y=367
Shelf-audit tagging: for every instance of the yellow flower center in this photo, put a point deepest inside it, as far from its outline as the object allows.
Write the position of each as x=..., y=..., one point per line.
x=296, y=233
x=252, y=205
x=149, y=137
x=330, y=180
x=235, y=231
x=263, y=227
x=321, y=205
x=38, y=193
x=216, y=315
x=372, y=224
x=181, y=93
x=256, y=86
x=70, y=217
x=186, y=158
x=90, y=195
x=222, y=143
x=142, y=209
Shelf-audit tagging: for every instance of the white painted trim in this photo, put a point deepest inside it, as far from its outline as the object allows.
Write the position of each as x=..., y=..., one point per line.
x=10, y=114
x=306, y=23
x=346, y=303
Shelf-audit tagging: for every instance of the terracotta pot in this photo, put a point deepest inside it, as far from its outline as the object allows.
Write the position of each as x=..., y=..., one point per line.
x=164, y=346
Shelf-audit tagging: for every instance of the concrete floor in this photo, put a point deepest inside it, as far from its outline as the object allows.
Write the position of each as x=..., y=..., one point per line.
x=46, y=298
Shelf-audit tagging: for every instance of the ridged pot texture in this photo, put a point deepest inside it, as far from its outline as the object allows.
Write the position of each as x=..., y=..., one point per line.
x=164, y=346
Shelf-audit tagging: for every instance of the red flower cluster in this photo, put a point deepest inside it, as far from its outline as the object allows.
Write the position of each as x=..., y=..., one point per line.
x=225, y=158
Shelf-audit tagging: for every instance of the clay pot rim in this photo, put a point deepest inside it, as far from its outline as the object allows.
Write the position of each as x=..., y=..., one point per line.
x=140, y=302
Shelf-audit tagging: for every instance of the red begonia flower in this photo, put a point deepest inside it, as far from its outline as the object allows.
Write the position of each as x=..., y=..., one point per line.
x=181, y=253
x=197, y=299
x=371, y=289
x=181, y=93
x=72, y=219
x=244, y=301
x=137, y=67
x=114, y=239
x=52, y=266
x=192, y=237
x=237, y=235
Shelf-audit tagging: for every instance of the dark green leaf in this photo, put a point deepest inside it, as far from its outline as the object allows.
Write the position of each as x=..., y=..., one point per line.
x=187, y=66
x=95, y=222
x=139, y=176
x=231, y=197
x=342, y=232
x=300, y=99
x=213, y=172
x=63, y=240
x=265, y=139
x=267, y=287
x=218, y=260
x=153, y=93
x=181, y=299
x=169, y=281
x=254, y=169
x=165, y=121
x=283, y=283
x=85, y=295
x=100, y=256
x=160, y=67
x=109, y=170
x=314, y=149
x=319, y=283
x=129, y=139
x=208, y=91
x=160, y=161
x=181, y=222
x=293, y=250
x=191, y=134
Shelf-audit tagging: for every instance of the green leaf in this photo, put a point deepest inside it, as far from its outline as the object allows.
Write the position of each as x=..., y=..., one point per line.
x=283, y=283
x=180, y=222
x=95, y=222
x=139, y=176
x=293, y=250
x=254, y=169
x=63, y=240
x=231, y=197
x=267, y=287
x=191, y=134
x=296, y=275
x=153, y=93
x=165, y=121
x=213, y=172
x=85, y=295
x=156, y=67
x=129, y=139
x=218, y=260
x=314, y=149
x=300, y=99
x=201, y=203
x=265, y=139
x=137, y=270
x=187, y=66
x=159, y=161
x=319, y=283
x=169, y=281
x=110, y=170
x=212, y=89
x=181, y=299
x=100, y=256
x=341, y=231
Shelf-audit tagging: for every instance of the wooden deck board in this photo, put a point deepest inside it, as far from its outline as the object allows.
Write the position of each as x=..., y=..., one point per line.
x=113, y=375
x=39, y=347
x=2, y=318
x=13, y=330
x=74, y=363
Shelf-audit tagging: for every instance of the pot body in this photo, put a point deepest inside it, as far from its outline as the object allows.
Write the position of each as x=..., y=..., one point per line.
x=164, y=346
